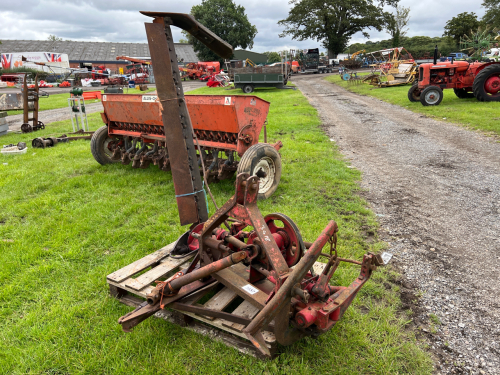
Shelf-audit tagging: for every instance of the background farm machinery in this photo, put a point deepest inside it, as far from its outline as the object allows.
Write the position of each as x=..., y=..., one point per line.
x=391, y=67
x=467, y=79
x=139, y=70
x=200, y=70
x=225, y=128
x=237, y=253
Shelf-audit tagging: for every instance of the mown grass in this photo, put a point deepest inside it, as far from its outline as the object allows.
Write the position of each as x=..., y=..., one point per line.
x=61, y=100
x=66, y=222
x=470, y=113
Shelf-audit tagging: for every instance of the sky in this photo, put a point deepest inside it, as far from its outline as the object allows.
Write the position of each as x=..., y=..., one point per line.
x=120, y=20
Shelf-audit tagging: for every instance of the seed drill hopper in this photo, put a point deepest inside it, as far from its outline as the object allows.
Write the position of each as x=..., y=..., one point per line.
x=262, y=260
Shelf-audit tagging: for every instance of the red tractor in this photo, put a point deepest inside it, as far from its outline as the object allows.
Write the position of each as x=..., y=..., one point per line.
x=468, y=80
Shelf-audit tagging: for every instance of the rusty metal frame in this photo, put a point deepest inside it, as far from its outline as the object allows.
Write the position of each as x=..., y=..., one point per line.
x=177, y=124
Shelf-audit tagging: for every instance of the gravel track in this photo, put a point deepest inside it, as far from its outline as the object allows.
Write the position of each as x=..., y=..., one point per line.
x=60, y=114
x=435, y=188
x=51, y=115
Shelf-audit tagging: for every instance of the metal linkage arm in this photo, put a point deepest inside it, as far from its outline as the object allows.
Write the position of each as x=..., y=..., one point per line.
x=196, y=29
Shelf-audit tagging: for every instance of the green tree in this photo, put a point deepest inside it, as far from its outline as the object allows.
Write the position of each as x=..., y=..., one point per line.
x=272, y=57
x=492, y=15
x=460, y=25
x=182, y=40
x=54, y=38
x=334, y=22
x=228, y=21
x=397, y=24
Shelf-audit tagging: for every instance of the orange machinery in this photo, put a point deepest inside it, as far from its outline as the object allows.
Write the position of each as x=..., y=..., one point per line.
x=226, y=127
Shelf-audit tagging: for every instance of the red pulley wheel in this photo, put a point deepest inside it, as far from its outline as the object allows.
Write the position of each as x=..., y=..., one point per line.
x=282, y=225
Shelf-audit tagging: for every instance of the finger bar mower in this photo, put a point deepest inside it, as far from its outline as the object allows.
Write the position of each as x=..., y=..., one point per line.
x=262, y=260
x=276, y=274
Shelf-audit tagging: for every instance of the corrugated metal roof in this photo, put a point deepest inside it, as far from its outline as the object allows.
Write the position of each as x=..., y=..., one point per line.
x=258, y=58
x=92, y=51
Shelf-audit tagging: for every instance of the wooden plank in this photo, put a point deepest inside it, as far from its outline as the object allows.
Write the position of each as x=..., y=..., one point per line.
x=235, y=340
x=139, y=265
x=141, y=293
x=220, y=301
x=232, y=339
x=218, y=323
x=167, y=268
x=246, y=310
x=241, y=286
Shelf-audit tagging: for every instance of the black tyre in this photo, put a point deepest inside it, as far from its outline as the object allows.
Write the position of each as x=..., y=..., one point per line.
x=247, y=89
x=262, y=157
x=100, y=146
x=414, y=94
x=432, y=95
x=486, y=86
x=463, y=94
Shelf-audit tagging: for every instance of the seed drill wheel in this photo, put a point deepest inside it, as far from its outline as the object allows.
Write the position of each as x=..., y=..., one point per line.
x=414, y=93
x=247, y=89
x=431, y=95
x=463, y=94
x=294, y=247
x=486, y=86
x=101, y=146
x=261, y=159
x=346, y=76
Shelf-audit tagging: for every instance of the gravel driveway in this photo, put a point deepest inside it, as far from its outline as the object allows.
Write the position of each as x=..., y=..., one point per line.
x=435, y=188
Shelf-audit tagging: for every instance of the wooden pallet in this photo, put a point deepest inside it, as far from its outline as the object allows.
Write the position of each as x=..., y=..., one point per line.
x=131, y=284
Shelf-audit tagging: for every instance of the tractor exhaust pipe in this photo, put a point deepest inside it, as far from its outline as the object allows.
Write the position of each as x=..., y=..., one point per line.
x=435, y=55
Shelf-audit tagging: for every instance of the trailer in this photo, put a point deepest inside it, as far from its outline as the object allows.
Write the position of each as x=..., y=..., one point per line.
x=311, y=63
x=251, y=77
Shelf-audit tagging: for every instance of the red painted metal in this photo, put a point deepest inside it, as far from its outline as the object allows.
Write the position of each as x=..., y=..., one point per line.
x=446, y=75
x=223, y=122
x=459, y=75
x=298, y=295
x=492, y=85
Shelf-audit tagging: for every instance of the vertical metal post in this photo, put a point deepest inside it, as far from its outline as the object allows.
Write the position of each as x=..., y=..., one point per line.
x=177, y=123
x=25, y=102
x=36, y=97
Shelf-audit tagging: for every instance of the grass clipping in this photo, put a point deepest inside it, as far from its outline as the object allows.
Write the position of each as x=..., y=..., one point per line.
x=66, y=222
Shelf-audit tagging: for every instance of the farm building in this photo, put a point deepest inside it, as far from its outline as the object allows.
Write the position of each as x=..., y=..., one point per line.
x=96, y=53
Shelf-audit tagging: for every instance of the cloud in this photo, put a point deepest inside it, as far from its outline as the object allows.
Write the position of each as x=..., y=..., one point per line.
x=120, y=20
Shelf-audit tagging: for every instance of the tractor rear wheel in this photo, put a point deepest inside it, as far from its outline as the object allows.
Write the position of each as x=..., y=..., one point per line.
x=463, y=94
x=247, y=89
x=432, y=95
x=414, y=94
x=262, y=158
x=486, y=86
x=100, y=146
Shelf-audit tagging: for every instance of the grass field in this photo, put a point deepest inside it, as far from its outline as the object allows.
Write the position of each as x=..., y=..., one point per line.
x=66, y=222
x=471, y=113
x=61, y=100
